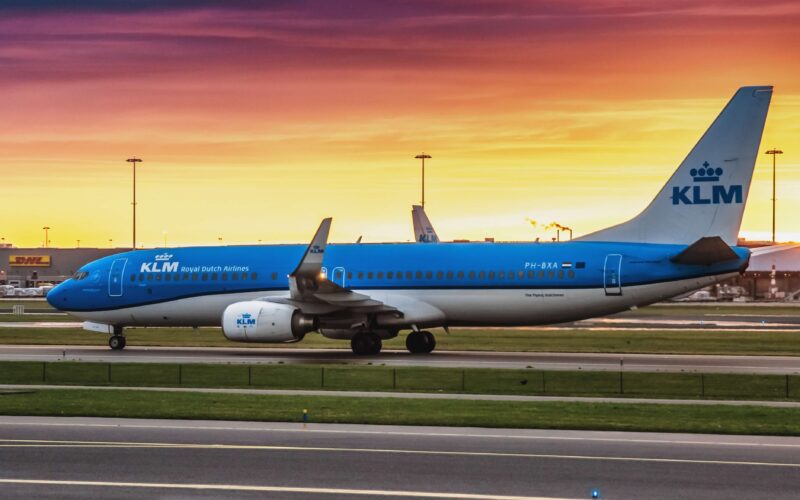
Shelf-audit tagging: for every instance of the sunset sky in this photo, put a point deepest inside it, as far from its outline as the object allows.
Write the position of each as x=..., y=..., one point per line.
x=257, y=119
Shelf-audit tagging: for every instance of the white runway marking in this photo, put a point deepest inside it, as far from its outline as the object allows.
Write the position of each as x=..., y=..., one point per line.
x=271, y=489
x=29, y=443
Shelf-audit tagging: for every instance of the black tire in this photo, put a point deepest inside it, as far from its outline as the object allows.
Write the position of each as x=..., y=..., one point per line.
x=116, y=342
x=365, y=344
x=420, y=342
x=430, y=342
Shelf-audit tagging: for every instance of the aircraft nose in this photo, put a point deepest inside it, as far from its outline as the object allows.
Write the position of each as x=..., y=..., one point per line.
x=57, y=297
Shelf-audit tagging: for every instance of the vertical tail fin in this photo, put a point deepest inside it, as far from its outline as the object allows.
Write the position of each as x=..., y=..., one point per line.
x=423, y=229
x=706, y=196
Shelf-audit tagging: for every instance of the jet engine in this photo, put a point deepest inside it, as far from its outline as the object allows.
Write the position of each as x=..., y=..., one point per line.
x=258, y=321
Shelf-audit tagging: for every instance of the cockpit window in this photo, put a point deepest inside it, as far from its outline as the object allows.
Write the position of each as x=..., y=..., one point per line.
x=80, y=275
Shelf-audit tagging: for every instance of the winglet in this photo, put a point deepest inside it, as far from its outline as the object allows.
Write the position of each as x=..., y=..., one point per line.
x=311, y=263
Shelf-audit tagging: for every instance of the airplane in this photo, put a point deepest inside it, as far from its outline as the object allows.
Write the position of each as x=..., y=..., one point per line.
x=685, y=239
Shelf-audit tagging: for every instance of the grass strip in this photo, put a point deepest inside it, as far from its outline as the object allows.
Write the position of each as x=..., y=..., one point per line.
x=763, y=343
x=359, y=410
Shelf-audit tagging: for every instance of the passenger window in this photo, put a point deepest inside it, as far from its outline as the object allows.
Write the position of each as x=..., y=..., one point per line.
x=141, y=277
x=390, y=275
x=349, y=275
x=551, y=275
x=472, y=275
x=133, y=277
x=224, y=276
x=275, y=276
x=213, y=276
x=501, y=274
x=185, y=276
x=360, y=275
x=369, y=275
x=158, y=277
x=439, y=275
x=571, y=273
x=561, y=275
x=244, y=276
x=409, y=275
x=521, y=274
x=253, y=276
x=429, y=275
x=541, y=274
x=511, y=275
x=449, y=275
x=482, y=274
x=177, y=277
x=235, y=276
x=205, y=277
x=419, y=275
x=149, y=277
x=491, y=275
x=168, y=277
x=461, y=275
x=380, y=275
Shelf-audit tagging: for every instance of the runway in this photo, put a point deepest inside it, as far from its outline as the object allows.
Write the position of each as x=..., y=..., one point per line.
x=127, y=458
x=544, y=361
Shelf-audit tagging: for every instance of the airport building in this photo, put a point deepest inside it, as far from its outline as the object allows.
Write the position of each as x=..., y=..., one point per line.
x=773, y=274
x=31, y=267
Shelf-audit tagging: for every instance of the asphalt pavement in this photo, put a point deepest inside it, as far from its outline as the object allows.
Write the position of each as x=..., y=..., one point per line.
x=46, y=457
x=476, y=359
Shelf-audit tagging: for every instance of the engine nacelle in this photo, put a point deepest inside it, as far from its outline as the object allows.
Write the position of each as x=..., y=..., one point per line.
x=257, y=321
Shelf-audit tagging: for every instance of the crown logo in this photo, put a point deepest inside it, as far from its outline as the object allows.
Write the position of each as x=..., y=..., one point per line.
x=706, y=173
x=247, y=315
x=163, y=257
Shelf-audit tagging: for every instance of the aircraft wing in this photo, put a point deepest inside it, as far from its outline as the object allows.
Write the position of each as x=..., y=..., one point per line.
x=313, y=293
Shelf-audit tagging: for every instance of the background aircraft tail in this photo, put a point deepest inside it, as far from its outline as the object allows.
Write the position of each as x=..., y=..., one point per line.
x=706, y=196
x=423, y=229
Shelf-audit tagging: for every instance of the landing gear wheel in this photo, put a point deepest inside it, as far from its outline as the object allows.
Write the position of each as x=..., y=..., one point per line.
x=364, y=344
x=116, y=342
x=420, y=342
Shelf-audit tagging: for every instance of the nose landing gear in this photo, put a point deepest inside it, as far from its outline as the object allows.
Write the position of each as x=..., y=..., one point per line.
x=117, y=340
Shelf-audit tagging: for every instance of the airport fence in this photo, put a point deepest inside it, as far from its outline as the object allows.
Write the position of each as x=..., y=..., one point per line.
x=408, y=379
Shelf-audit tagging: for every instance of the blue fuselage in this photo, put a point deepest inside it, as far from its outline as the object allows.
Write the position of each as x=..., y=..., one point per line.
x=615, y=274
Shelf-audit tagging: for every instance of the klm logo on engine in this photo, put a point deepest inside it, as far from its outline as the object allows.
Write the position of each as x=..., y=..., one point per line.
x=245, y=320
x=702, y=192
x=162, y=264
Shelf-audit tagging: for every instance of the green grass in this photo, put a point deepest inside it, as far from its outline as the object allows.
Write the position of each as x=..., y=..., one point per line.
x=29, y=317
x=546, y=415
x=567, y=340
x=408, y=379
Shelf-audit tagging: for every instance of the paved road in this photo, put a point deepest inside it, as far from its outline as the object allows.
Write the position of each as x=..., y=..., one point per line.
x=125, y=458
x=549, y=361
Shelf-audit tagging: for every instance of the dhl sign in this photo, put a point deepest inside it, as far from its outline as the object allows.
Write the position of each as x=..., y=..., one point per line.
x=29, y=260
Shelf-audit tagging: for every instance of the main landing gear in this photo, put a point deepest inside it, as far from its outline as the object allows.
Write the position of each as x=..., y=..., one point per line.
x=366, y=343
x=117, y=340
x=420, y=342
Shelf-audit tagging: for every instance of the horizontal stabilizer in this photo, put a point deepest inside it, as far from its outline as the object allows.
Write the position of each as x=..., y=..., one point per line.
x=706, y=251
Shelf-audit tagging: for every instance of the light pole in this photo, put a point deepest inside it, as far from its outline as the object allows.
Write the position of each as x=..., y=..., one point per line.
x=164, y=232
x=111, y=243
x=79, y=244
x=774, y=152
x=134, y=161
x=422, y=157
x=46, y=240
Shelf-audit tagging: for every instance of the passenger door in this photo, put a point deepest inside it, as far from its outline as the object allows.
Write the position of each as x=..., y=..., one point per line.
x=115, y=277
x=612, y=271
